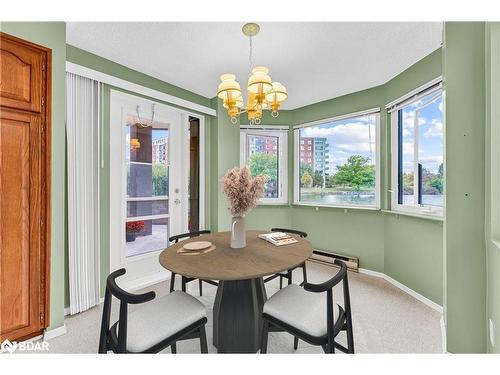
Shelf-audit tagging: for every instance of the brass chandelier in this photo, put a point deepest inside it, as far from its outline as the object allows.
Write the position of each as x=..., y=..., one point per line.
x=262, y=92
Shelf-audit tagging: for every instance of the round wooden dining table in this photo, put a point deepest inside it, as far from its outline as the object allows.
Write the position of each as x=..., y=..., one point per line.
x=241, y=294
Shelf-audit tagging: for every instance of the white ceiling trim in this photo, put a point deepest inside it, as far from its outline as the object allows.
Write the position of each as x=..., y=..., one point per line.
x=139, y=89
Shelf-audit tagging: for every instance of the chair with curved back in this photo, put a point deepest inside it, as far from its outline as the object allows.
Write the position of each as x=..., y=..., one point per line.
x=150, y=328
x=184, y=279
x=288, y=274
x=309, y=316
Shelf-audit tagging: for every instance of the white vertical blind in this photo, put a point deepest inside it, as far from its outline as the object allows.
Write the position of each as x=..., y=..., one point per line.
x=82, y=131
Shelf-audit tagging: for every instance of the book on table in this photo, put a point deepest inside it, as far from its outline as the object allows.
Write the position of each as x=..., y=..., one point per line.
x=278, y=238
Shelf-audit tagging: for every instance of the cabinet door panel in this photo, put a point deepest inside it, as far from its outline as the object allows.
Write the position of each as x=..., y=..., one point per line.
x=25, y=111
x=22, y=73
x=20, y=266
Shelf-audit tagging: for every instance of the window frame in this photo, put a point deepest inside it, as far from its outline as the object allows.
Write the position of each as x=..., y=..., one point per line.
x=281, y=132
x=394, y=109
x=296, y=162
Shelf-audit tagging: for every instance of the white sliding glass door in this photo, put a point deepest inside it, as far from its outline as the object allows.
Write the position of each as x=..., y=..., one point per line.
x=148, y=187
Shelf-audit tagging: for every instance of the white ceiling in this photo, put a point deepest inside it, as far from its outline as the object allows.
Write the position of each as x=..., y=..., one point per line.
x=315, y=61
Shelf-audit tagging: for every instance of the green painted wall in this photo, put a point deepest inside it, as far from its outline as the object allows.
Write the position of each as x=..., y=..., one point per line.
x=89, y=60
x=413, y=247
x=53, y=36
x=492, y=221
x=465, y=281
x=226, y=144
x=414, y=254
x=271, y=216
x=355, y=232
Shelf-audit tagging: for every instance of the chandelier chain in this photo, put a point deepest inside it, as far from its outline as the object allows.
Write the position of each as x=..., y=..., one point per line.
x=250, y=55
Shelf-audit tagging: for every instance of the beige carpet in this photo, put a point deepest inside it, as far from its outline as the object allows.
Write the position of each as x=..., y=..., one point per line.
x=385, y=319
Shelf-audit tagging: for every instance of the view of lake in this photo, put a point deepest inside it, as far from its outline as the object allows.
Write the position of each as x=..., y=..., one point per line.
x=363, y=199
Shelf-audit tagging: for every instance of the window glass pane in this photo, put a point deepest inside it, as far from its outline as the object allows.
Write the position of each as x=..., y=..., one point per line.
x=147, y=164
x=144, y=236
x=426, y=113
x=337, y=164
x=430, y=152
x=262, y=159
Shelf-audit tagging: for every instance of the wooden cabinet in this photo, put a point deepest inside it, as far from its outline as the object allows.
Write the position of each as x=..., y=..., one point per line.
x=22, y=66
x=24, y=188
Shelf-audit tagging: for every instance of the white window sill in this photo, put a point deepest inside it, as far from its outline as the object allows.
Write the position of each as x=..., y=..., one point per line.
x=272, y=204
x=415, y=214
x=339, y=207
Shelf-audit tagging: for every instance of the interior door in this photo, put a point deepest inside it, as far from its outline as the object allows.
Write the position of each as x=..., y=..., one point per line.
x=24, y=188
x=153, y=186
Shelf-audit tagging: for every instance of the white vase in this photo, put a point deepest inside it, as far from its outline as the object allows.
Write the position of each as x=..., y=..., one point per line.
x=238, y=236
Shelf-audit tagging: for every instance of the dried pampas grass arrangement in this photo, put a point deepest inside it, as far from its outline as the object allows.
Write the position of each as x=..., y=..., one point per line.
x=242, y=190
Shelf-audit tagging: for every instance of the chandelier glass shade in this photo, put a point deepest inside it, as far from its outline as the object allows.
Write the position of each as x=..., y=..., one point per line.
x=262, y=92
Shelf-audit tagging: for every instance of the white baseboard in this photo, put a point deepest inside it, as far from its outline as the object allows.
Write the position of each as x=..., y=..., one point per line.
x=51, y=333
x=144, y=282
x=404, y=288
x=443, y=334
x=67, y=310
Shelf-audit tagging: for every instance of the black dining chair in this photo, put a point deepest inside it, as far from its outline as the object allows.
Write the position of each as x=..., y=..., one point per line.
x=154, y=326
x=184, y=279
x=288, y=274
x=309, y=315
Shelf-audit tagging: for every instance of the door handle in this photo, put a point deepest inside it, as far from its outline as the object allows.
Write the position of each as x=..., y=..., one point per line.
x=177, y=201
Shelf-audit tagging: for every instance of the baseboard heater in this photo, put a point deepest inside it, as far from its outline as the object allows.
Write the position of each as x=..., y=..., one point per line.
x=326, y=258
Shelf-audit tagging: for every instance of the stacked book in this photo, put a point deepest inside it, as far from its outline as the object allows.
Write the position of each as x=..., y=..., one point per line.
x=278, y=238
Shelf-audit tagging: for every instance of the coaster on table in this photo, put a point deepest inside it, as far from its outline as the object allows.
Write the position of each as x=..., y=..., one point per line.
x=181, y=251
